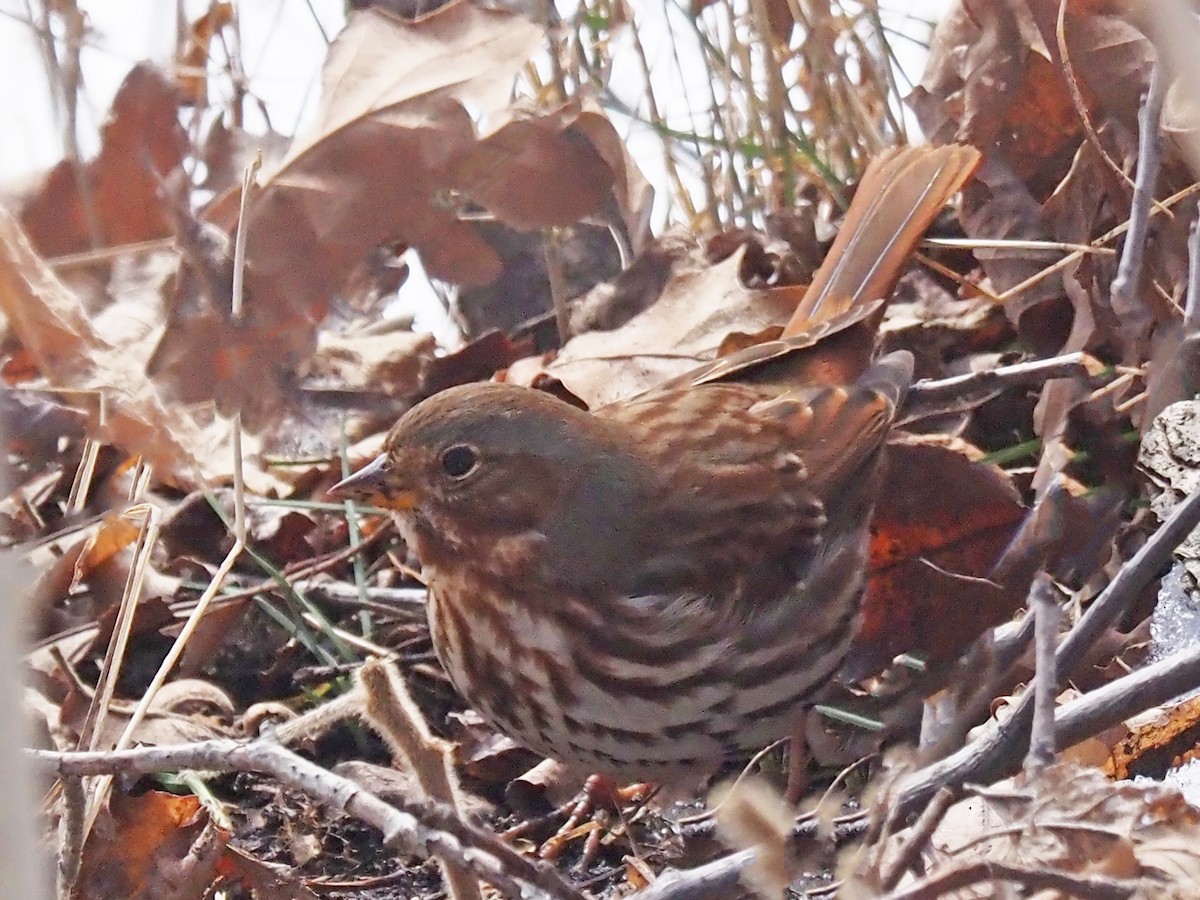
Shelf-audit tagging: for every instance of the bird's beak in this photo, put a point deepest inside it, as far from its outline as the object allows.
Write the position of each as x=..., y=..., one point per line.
x=372, y=484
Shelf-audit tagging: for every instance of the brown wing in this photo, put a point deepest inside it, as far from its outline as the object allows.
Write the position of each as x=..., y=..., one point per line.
x=839, y=432
x=742, y=505
x=730, y=509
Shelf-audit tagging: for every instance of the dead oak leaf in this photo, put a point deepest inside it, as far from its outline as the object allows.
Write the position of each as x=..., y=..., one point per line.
x=415, y=135
x=113, y=199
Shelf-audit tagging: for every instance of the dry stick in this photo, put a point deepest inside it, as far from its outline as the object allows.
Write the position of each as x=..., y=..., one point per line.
x=558, y=283
x=388, y=707
x=1191, y=310
x=926, y=397
x=993, y=756
x=78, y=496
x=422, y=828
x=1011, y=641
x=114, y=656
x=1021, y=247
x=1114, y=232
x=406, y=604
x=713, y=881
x=914, y=843
x=294, y=575
x=96, y=793
x=319, y=720
x=1077, y=98
x=1124, y=286
x=71, y=834
x=133, y=589
x=1116, y=701
x=1045, y=681
x=1033, y=880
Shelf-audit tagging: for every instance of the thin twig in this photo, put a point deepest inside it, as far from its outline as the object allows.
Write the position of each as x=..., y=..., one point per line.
x=1077, y=98
x=71, y=835
x=1129, y=269
x=915, y=841
x=389, y=708
x=1045, y=683
x=1112, y=233
x=1129, y=695
x=996, y=754
x=1033, y=880
x=928, y=397
x=1191, y=310
x=422, y=828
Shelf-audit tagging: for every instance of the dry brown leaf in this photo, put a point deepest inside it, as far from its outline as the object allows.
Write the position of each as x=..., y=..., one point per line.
x=115, y=533
x=113, y=199
x=204, y=713
x=695, y=312
x=51, y=322
x=995, y=79
x=264, y=880
x=1073, y=820
x=143, y=846
x=192, y=76
x=1169, y=455
x=394, y=158
x=391, y=361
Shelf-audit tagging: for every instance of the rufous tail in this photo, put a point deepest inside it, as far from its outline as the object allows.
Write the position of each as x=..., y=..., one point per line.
x=897, y=199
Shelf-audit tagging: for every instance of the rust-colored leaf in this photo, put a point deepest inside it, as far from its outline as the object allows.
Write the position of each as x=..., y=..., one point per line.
x=940, y=526
x=140, y=841
x=113, y=199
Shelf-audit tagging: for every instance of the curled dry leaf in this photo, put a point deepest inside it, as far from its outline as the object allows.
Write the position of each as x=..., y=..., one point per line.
x=204, y=711
x=493, y=758
x=1170, y=457
x=95, y=560
x=264, y=880
x=997, y=78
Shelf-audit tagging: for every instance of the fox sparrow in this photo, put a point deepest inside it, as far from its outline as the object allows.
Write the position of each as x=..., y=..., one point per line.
x=663, y=583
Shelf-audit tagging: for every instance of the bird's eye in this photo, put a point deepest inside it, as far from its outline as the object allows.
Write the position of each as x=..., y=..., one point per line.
x=459, y=461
